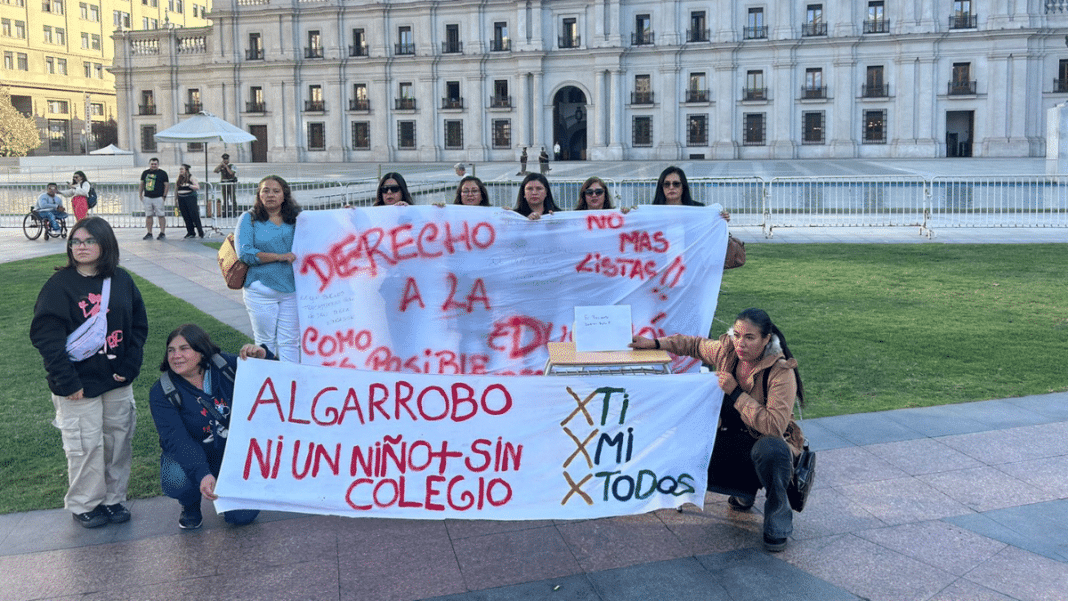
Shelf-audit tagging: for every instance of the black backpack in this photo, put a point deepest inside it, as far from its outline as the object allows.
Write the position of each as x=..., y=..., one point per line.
x=175, y=398
x=91, y=199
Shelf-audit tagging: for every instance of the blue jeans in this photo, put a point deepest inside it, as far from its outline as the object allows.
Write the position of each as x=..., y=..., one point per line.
x=51, y=216
x=774, y=465
x=177, y=485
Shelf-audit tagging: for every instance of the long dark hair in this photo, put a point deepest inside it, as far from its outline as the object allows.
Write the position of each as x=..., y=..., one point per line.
x=186, y=177
x=405, y=195
x=290, y=208
x=760, y=319
x=660, y=199
x=481, y=191
x=101, y=231
x=521, y=205
x=80, y=174
x=582, y=206
x=198, y=340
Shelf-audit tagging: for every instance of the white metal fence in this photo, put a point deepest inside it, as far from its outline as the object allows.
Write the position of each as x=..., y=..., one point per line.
x=988, y=201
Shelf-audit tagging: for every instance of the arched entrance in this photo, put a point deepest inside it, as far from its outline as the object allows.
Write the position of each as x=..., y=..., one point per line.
x=569, y=124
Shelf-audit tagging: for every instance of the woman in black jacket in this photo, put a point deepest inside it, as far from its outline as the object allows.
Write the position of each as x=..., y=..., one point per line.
x=92, y=350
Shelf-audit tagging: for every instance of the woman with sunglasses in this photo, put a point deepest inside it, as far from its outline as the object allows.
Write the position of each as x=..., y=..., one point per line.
x=393, y=190
x=594, y=195
x=535, y=198
x=90, y=326
x=471, y=192
x=673, y=189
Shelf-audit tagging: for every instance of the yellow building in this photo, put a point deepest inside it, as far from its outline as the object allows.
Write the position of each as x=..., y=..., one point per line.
x=56, y=55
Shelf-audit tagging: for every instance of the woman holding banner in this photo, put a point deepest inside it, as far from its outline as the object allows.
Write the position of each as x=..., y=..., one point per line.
x=90, y=326
x=594, y=195
x=264, y=242
x=673, y=189
x=471, y=192
x=392, y=191
x=535, y=198
x=191, y=404
x=757, y=440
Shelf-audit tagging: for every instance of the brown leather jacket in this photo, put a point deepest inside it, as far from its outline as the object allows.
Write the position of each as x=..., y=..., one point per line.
x=765, y=413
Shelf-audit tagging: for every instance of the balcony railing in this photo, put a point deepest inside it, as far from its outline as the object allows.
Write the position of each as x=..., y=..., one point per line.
x=501, y=45
x=404, y=104
x=1060, y=85
x=192, y=108
x=313, y=52
x=500, y=102
x=357, y=49
x=877, y=26
x=567, y=41
x=813, y=29
x=961, y=88
x=755, y=94
x=813, y=92
x=254, y=54
x=359, y=104
x=255, y=107
x=452, y=103
x=314, y=106
x=875, y=91
x=641, y=97
x=696, y=35
x=696, y=95
x=755, y=33
x=146, y=109
x=963, y=21
x=404, y=49
x=452, y=47
x=644, y=38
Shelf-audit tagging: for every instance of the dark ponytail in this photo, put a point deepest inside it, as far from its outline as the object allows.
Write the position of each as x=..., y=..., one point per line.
x=760, y=319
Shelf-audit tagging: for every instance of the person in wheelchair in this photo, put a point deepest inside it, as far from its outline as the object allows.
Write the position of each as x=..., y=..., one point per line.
x=50, y=207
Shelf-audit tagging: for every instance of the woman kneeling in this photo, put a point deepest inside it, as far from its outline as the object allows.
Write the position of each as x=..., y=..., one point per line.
x=192, y=417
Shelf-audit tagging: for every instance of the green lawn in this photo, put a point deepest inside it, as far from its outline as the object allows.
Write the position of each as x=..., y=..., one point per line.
x=874, y=327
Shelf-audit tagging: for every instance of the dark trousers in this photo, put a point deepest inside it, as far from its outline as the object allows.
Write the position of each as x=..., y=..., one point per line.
x=741, y=465
x=177, y=485
x=187, y=206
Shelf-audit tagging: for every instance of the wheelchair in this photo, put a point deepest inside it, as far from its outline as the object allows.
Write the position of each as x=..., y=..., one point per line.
x=33, y=225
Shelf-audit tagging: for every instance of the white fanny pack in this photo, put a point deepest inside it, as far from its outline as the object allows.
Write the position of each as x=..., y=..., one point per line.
x=90, y=336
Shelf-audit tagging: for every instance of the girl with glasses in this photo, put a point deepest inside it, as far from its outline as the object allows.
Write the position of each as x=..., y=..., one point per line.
x=471, y=192
x=594, y=195
x=393, y=190
x=672, y=189
x=90, y=326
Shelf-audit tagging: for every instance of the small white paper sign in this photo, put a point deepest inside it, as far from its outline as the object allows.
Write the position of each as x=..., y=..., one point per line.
x=604, y=328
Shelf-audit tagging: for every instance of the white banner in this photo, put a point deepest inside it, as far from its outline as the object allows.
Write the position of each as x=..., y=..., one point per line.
x=330, y=441
x=474, y=290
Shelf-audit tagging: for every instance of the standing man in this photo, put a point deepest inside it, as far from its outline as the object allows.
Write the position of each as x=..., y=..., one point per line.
x=556, y=151
x=523, y=162
x=228, y=178
x=153, y=192
x=543, y=161
x=50, y=206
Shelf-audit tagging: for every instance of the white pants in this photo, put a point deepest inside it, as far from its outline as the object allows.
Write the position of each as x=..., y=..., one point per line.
x=274, y=320
x=97, y=437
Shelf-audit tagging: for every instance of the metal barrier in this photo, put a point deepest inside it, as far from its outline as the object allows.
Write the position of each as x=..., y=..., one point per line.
x=989, y=201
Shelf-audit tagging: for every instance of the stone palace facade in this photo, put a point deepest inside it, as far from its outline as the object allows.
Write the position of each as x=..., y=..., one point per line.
x=477, y=80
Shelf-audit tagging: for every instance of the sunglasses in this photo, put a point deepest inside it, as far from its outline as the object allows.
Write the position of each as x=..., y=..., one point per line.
x=595, y=192
x=672, y=184
x=390, y=189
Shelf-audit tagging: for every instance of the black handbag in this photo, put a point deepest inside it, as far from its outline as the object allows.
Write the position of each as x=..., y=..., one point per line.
x=804, y=475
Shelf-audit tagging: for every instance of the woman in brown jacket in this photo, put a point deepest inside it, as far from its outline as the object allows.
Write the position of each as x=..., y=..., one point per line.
x=757, y=440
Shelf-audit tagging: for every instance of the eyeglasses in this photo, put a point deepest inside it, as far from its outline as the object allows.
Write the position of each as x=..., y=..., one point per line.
x=390, y=189
x=74, y=242
x=672, y=184
x=595, y=192
x=475, y=192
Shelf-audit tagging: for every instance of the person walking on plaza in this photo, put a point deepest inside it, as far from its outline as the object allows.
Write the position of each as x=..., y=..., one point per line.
x=50, y=206
x=192, y=415
x=543, y=161
x=228, y=182
x=79, y=195
x=523, y=162
x=185, y=191
x=153, y=193
x=90, y=327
